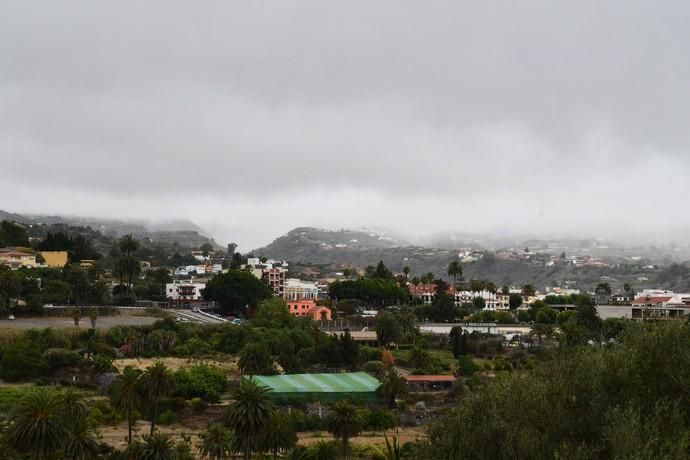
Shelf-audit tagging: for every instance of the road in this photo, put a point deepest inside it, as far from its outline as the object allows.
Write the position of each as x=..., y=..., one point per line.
x=195, y=317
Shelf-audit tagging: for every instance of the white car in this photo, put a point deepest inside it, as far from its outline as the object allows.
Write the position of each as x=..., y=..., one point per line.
x=10, y=317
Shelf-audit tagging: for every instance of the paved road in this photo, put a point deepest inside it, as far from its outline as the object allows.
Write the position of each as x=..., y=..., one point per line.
x=195, y=317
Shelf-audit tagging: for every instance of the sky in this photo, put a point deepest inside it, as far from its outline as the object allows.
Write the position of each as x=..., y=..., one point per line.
x=252, y=118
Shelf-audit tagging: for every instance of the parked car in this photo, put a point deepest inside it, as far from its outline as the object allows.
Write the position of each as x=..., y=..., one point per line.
x=10, y=317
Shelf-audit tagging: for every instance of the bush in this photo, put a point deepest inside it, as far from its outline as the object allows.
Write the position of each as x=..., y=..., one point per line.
x=21, y=361
x=302, y=421
x=198, y=404
x=167, y=418
x=466, y=366
x=56, y=358
x=200, y=381
x=380, y=419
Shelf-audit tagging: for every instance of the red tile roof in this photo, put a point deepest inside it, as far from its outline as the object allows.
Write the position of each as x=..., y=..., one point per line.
x=430, y=378
x=651, y=300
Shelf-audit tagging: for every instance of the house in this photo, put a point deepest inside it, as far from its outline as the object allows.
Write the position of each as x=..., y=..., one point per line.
x=182, y=294
x=55, y=259
x=492, y=300
x=17, y=257
x=300, y=308
x=419, y=383
x=663, y=305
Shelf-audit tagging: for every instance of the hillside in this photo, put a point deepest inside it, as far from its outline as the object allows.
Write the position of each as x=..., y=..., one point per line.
x=182, y=233
x=327, y=252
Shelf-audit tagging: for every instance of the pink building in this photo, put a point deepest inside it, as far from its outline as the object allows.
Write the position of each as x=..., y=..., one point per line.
x=309, y=308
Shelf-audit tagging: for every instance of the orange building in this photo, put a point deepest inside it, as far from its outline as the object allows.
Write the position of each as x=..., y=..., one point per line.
x=309, y=308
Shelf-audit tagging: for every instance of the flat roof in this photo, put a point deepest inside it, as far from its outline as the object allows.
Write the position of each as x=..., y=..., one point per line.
x=350, y=382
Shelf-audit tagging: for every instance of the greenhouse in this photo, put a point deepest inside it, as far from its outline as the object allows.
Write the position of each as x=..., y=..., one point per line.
x=359, y=386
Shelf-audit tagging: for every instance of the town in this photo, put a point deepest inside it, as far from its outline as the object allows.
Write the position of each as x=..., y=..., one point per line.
x=370, y=355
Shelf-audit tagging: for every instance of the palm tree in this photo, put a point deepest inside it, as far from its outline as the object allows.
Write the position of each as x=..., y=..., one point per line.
x=216, y=442
x=126, y=395
x=76, y=316
x=128, y=245
x=454, y=270
x=157, y=446
x=74, y=405
x=344, y=423
x=298, y=453
x=406, y=271
x=255, y=359
x=156, y=383
x=38, y=424
x=93, y=316
x=279, y=435
x=249, y=414
x=82, y=441
x=393, y=385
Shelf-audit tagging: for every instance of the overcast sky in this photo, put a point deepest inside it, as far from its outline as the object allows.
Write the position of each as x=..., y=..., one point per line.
x=251, y=118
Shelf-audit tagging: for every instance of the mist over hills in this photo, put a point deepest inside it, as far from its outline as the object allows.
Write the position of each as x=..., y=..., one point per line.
x=180, y=231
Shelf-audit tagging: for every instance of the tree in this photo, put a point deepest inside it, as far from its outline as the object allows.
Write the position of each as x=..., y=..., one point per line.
x=515, y=301
x=273, y=312
x=528, y=290
x=419, y=357
x=388, y=328
x=235, y=290
x=38, y=424
x=10, y=287
x=76, y=316
x=455, y=271
x=161, y=276
x=157, y=446
x=478, y=303
x=93, y=316
x=255, y=359
x=126, y=395
x=156, y=382
x=82, y=442
x=346, y=273
x=344, y=423
x=216, y=442
x=406, y=271
x=603, y=288
x=248, y=415
x=382, y=272
x=442, y=308
x=456, y=338
x=279, y=435
x=393, y=386
x=206, y=249
x=128, y=245
x=12, y=234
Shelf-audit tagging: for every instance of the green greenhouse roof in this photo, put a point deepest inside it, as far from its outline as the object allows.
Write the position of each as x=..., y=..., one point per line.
x=352, y=382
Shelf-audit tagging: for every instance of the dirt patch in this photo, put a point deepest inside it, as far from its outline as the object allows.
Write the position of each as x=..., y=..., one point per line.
x=229, y=364
x=376, y=438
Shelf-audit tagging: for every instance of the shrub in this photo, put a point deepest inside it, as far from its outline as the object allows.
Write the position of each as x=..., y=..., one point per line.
x=198, y=404
x=380, y=419
x=167, y=418
x=60, y=357
x=466, y=366
x=200, y=381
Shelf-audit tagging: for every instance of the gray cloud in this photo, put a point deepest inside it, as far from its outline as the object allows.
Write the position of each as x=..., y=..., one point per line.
x=466, y=115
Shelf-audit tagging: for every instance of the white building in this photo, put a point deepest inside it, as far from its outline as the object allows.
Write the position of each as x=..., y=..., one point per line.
x=295, y=289
x=180, y=290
